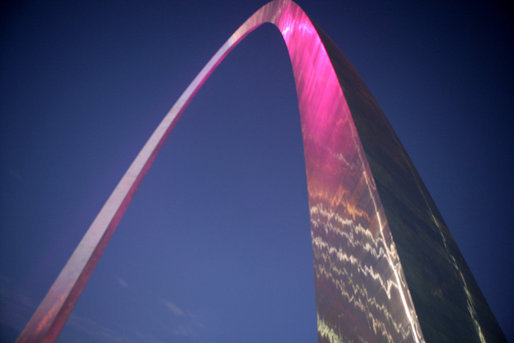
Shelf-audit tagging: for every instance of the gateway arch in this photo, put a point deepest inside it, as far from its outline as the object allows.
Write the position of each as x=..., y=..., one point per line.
x=381, y=248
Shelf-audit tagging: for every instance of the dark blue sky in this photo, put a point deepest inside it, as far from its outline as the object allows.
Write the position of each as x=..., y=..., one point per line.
x=215, y=246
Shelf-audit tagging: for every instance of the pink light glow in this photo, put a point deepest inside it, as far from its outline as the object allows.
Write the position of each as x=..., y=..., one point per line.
x=342, y=198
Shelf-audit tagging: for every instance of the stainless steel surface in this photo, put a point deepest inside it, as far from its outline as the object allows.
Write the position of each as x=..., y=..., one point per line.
x=361, y=287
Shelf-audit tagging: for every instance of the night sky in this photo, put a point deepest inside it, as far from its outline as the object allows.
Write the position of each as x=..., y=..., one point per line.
x=215, y=246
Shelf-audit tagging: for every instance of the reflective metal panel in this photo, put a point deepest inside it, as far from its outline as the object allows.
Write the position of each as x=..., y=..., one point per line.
x=448, y=301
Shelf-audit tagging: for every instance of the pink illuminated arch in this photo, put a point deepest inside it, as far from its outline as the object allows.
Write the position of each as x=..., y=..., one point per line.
x=354, y=299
